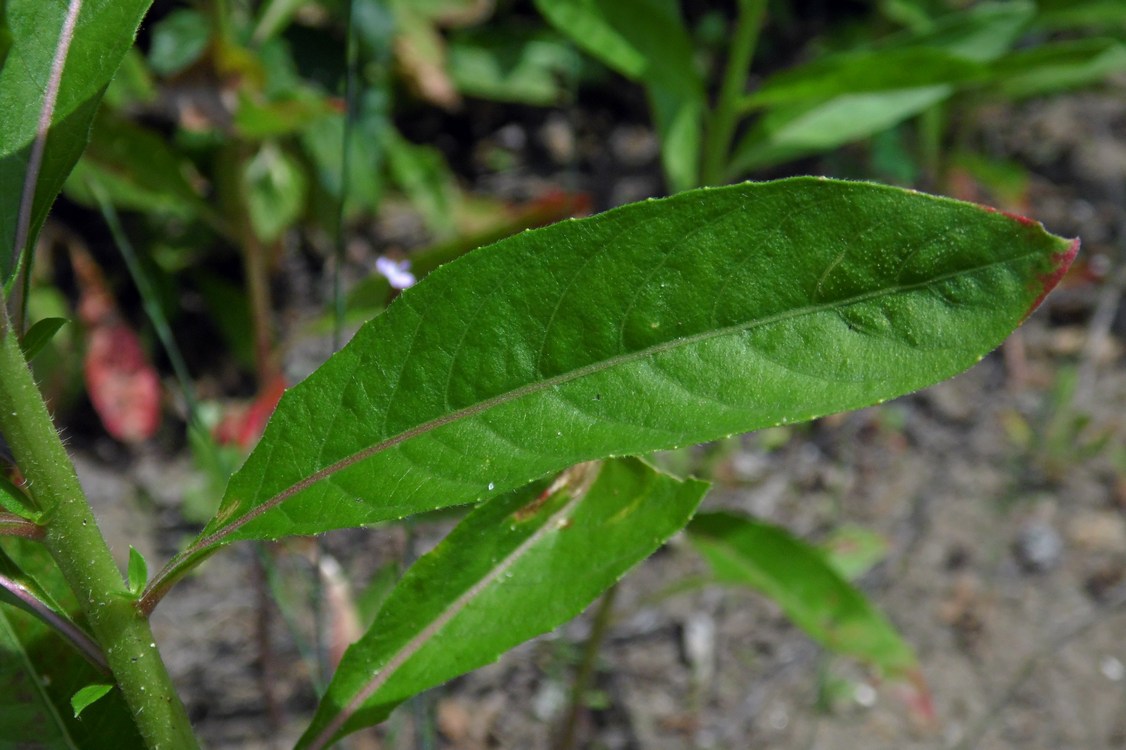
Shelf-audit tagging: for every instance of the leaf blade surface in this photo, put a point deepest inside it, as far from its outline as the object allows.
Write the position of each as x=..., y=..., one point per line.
x=514, y=568
x=660, y=324
x=103, y=34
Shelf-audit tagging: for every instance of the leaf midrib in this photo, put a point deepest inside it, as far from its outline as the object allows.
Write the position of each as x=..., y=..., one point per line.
x=404, y=653
x=538, y=386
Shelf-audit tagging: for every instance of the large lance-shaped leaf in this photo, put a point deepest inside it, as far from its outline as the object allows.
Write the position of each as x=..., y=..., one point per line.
x=102, y=32
x=659, y=324
x=516, y=567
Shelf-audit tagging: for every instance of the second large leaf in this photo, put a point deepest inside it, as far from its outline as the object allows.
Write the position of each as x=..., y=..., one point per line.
x=654, y=325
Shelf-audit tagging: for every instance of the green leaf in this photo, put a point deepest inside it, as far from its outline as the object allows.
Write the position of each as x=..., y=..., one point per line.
x=648, y=42
x=1060, y=66
x=13, y=500
x=982, y=33
x=422, y=173
x=26, y=712
x=104, y=32
x=88, y=695
x=853, y=550
x=655, y=325
x=1096, y=15
x=866, y=72
x=275, y=191
x=179, y=40
x=516, y=567
x=136, y=168
x=528, y=68
x=766, y=558
x=794, y=131
x=138, y=571
x=55, y=663
x=39, y=335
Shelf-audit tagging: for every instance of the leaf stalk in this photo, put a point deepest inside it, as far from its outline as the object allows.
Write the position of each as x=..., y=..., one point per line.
x=725, y=115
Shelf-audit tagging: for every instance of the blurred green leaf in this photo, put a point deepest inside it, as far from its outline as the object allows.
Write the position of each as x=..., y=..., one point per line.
x=275, y=187
x=655, y=325
x=422, y=174
x=104, y=32
x=648, y=42
x=273, y=17
x=508, y=66
x=133, y=84
x=981, y=33
x=526, y=555
x=1058, y=66
x=853, y=550
x=178, y=40
x=1095, y=15
x=794, y=131
x=866, y=72
x=290, y=114
x=14, y=501
x=323, y=141
x=766, y=558
x=136, y=169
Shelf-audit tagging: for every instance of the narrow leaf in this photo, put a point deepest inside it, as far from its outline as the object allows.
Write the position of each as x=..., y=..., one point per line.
x=1098, y=16
x=656, y=325
x=981, y=33
x=16, y=502
x=1058, y=67
x=88, y=695
x=39, y=335
x=809, y=590
x=138, y=571
x=865, y=72
x=516, y=567
x=648, y=42
x=793, y=131
x=102, y=33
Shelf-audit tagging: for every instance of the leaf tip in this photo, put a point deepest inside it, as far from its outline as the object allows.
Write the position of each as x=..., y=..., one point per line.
x=1059, y=263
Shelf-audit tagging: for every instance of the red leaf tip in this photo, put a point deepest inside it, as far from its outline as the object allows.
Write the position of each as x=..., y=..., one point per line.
x=1047, y=281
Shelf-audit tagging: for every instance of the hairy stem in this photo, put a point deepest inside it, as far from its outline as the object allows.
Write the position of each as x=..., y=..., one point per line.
x=722, y=125
x=72, y=537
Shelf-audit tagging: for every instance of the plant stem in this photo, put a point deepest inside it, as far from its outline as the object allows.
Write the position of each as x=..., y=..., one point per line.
x=722, y=126
x=585, y=674
x=72, y=537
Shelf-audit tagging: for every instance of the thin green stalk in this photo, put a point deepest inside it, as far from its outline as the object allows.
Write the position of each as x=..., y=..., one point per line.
x=932, y=127
x=585, y=675
x=725, y=115
x=149, y=299
x=72, y=537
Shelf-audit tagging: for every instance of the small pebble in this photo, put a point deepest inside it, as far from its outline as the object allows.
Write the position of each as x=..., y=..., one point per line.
x=1038, y=547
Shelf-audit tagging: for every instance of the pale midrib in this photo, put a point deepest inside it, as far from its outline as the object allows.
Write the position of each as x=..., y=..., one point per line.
x=46, y=115
x=414, y=645
x=542, y=385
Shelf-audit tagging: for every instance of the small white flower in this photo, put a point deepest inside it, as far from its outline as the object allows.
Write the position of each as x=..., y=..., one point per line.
x=397, y=272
